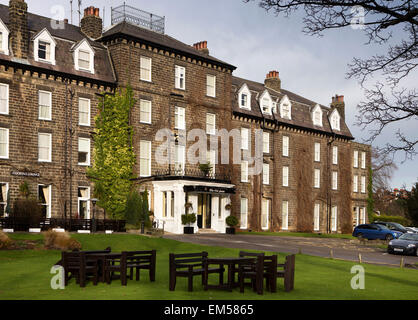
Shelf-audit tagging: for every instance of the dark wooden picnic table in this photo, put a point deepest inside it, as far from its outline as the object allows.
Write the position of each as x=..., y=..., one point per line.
x=101, y=261
x=233, y=264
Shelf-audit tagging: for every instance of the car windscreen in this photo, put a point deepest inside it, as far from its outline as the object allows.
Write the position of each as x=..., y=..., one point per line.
x=381, y=226
x=399, y=226
x=409, y=236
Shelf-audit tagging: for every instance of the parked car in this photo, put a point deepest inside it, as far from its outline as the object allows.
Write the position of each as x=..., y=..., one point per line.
x=392, y=226
x=375, y=231
x=412, y=229
x=406, y=244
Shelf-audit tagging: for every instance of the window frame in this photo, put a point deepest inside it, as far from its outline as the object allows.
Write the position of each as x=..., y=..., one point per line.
x=317, y=217
x=7, y=88
x=285, y=215
x=245, y=138
x=179, y=115
x=49, y=160
x=335, y=155
x=4, y=203
x=244, y=165
x=88, y=124
x=180, y=76
x=50, y=105
x=210, y=131
x=266, y=174
x=7, y=131
x=142, y=68
x=285, y=146
x=49, y=203
x=334, y=180
x=285, y=182
x=142, y=103
x=209, y=85
x=317, y=178
x=266, y=142
x=317, y=152
x=244, y=213
x=147, y=157
x=88, y=159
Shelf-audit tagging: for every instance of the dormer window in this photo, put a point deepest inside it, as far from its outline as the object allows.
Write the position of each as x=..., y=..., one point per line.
x=4, y=38
x=84, y=60
x=84, y=57
x=44, y=50
x=266, y=103
x=44, y=47
x=335, y=120
x=244, y=97
x=285, y=108
x=317, y=116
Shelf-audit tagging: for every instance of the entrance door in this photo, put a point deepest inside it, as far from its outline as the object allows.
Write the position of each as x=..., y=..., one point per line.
x=204, y=215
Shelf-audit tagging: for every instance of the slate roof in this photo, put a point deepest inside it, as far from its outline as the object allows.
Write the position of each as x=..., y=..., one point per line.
x=301, y=108
x=161, y=40
x=65, y=39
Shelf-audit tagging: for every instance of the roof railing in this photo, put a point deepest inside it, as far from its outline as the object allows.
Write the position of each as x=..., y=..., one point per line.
x=139, y=17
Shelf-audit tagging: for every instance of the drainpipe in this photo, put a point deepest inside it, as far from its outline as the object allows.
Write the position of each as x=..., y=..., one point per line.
x=329, y=198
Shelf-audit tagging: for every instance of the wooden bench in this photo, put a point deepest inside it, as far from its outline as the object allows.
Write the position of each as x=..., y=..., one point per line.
x=253, y=270
x=145, y=260
x=288, y=272
x=189, y=265
x=78, y=265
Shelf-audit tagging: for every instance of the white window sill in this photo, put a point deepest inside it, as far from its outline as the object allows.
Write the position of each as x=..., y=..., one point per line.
x=84, y=125
x=44, y=161
x=45, y=119
x=145, y=122
x=4, y=158
x=146, y=80
x=84, y=164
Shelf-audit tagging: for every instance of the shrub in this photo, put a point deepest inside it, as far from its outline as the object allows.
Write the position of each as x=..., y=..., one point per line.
x=187, y=219
x=401, y=220
x=5, y=241
x=231, y=221
x=28, y=209
x=60, y=241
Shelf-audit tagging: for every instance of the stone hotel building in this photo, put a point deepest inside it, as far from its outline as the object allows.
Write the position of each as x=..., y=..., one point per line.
x=54, y=74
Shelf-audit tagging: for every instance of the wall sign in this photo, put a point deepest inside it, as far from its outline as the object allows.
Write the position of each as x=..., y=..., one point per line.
x=26, y=174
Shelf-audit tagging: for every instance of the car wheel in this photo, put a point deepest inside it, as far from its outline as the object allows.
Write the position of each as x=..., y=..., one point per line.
x=389, y=237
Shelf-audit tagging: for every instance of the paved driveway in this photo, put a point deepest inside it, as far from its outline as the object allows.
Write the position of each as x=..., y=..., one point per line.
x=341, y=248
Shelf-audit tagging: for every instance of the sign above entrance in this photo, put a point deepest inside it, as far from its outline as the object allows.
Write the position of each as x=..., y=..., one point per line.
x=206, y=189
x=26, y=174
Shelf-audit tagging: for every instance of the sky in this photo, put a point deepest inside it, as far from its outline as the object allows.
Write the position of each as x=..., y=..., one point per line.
x=256, y=42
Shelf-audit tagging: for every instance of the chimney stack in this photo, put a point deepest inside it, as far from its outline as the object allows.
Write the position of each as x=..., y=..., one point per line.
x=273, y=81
x=18, y=25
x=202, y=46
x=339, y=104
x=92, y=24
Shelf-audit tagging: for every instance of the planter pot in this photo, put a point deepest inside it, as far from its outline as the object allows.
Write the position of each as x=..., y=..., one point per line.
x=230, y=230
x=188, y=230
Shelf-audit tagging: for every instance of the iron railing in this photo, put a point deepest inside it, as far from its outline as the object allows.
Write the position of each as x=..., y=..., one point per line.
x=139, y=17
x=192, y=173
x=23, y=224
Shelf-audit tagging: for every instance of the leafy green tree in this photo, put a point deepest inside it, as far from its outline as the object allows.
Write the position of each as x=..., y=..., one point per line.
x=412, y=205
x=113, y=154
x=133, y=208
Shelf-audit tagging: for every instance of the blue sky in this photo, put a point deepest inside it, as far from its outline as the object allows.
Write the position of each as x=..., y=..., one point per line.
x=257, y=42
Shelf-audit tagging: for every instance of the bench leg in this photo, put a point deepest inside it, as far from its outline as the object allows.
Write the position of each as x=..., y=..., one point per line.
x=137, y=274
x=190, y=283
x=172, y=285
x=152, y=274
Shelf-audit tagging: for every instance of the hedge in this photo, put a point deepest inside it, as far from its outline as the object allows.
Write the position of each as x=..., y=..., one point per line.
x=401, y=220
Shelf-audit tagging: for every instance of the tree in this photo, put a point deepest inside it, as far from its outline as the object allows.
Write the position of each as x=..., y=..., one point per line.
x=412, y=205
x=113, y=154
x=383, y=167
x=387, y=101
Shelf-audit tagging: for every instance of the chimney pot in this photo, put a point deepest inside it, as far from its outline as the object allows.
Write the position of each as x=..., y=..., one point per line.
x=273, y=81
x=92, y=24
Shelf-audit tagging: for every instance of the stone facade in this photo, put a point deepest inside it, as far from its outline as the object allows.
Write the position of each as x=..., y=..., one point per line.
x=117, y=63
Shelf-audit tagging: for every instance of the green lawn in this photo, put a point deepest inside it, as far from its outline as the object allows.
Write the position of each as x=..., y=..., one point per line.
x=299, y=234
x=25, y=275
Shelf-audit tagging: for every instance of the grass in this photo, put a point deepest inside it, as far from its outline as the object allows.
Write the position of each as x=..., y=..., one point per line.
x=300, y=234
x=25, y=274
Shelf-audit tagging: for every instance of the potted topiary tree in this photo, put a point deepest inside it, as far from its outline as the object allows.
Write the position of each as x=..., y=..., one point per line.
x=232, y=222
x=187, y=220
x=206, y=168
